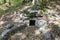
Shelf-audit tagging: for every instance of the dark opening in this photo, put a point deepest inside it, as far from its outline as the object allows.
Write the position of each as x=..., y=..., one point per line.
x=32, y=22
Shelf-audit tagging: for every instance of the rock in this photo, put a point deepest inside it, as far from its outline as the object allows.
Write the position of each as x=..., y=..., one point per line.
x=37, y=32
x=2, y=22
x=45, y=32
x=7, y=32
x=57, y=38
x=40, y=23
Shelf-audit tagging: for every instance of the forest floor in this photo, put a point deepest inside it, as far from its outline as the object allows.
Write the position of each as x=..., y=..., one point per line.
x=29, y=33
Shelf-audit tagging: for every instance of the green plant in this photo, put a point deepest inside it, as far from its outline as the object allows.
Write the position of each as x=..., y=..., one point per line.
x=40, y=13
x=16, y=5
x=26, y=13
x=42, y=6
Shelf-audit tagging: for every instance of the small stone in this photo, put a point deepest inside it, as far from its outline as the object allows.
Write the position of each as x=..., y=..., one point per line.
x=37, y=32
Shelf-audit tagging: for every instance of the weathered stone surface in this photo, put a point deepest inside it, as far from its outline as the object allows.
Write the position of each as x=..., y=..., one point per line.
x=45, y=32
x=40, y=23
x=57, y=38
x=7, y=32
